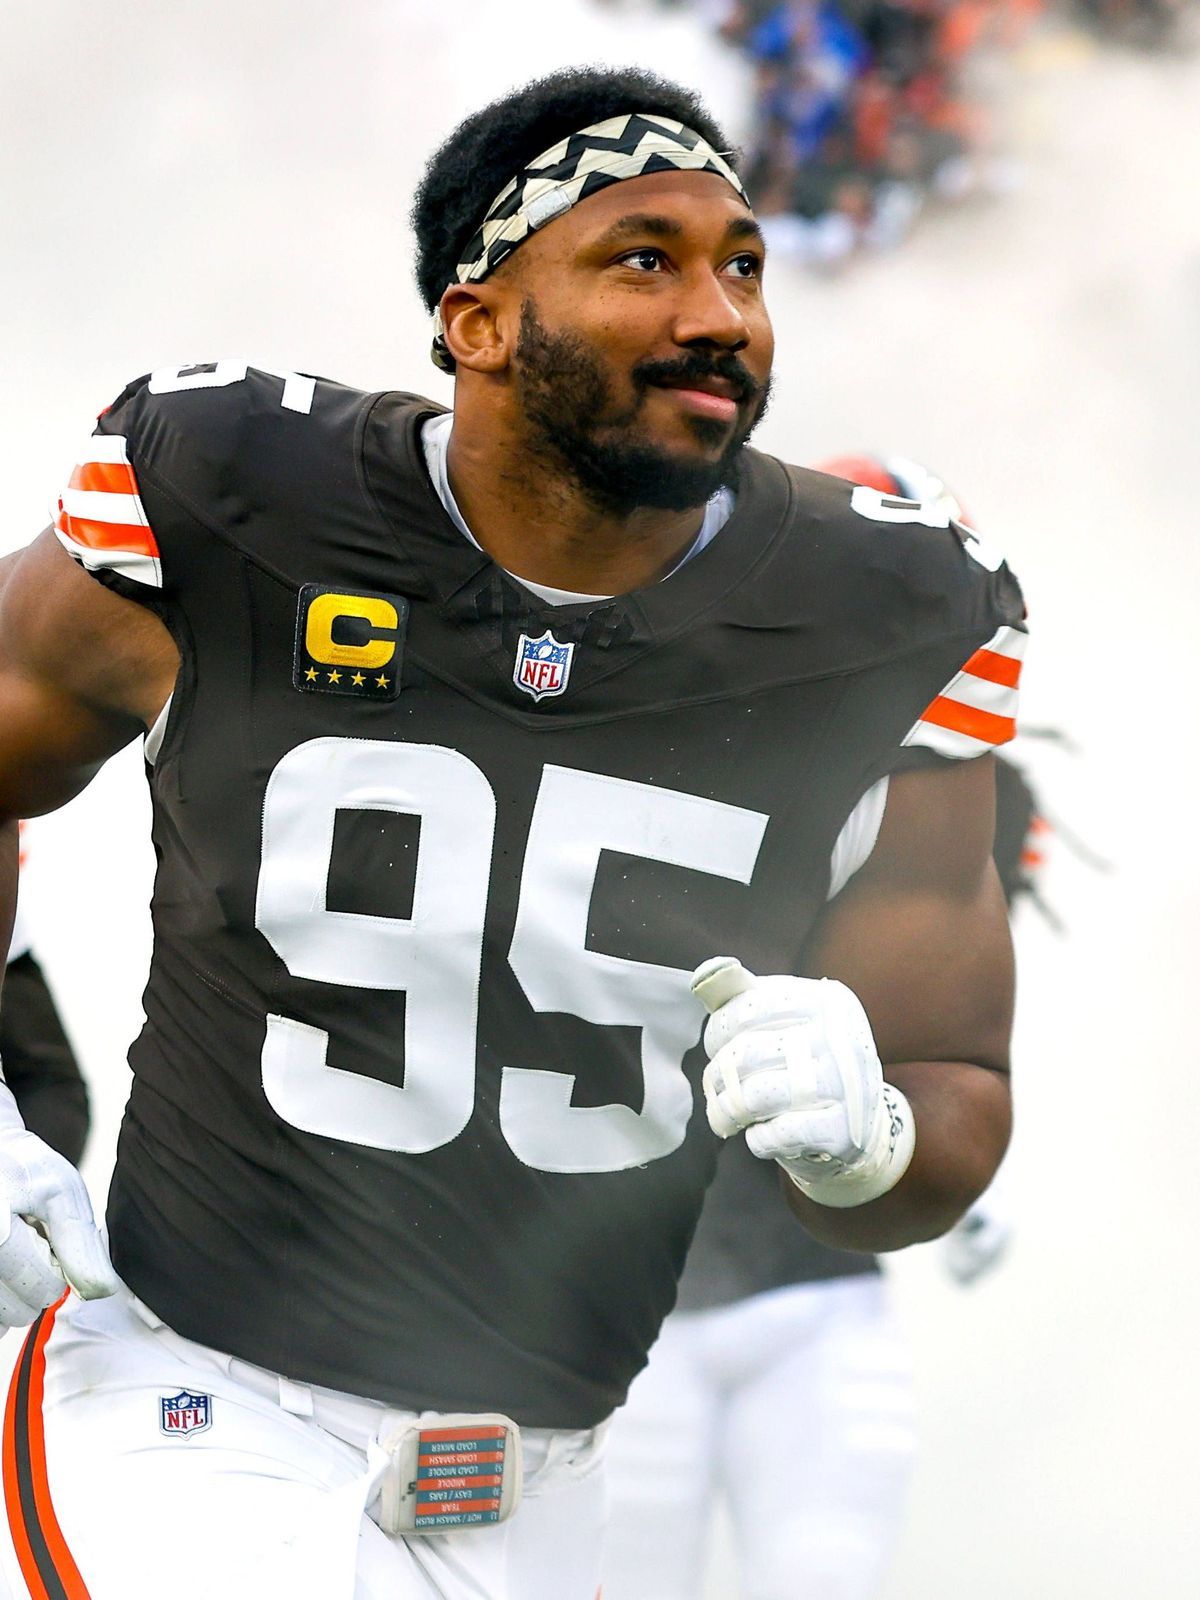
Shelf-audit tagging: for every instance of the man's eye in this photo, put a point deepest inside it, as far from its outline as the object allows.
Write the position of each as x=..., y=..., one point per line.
x=644, y=260
x=747, y=265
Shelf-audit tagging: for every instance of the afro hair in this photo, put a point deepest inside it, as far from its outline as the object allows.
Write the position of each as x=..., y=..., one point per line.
x=483, y=153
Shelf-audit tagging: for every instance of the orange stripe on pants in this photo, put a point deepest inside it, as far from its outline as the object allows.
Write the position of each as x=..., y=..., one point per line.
x=35, y=1528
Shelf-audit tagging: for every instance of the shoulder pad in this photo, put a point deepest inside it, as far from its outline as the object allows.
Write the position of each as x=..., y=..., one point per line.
x=218, y=429
x=908, y=571
x=221, y=447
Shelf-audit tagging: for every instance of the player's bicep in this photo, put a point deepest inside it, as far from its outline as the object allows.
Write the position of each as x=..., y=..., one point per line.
x=921, y=932
x=82, y=672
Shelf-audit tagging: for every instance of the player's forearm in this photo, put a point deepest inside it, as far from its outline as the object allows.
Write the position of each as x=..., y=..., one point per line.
x=963, y=1115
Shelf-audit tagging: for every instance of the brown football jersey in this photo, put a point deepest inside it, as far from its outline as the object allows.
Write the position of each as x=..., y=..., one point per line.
x=415, y=1107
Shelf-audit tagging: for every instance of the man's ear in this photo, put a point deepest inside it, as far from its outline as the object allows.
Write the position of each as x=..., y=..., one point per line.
x=473, y=330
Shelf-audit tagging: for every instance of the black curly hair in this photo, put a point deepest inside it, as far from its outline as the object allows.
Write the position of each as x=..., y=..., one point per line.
x=483, y=153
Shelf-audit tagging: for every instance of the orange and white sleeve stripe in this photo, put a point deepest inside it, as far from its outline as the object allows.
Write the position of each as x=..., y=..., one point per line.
x=977, y=710
x=100, y=519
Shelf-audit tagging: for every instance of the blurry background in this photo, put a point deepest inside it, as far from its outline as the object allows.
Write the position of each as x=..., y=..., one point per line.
x=988, y=258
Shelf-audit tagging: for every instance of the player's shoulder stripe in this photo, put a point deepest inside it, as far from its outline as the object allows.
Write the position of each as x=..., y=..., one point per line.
x=172, y=424
x=99, y=518
x=977, y=709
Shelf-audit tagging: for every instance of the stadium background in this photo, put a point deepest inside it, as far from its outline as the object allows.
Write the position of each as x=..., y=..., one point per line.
x=179, y=183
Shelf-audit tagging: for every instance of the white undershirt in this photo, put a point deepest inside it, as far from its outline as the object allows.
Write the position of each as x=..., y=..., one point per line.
x=861, y=829
x=857, y=839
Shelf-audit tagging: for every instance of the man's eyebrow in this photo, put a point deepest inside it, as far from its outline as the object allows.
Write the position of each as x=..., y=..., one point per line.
x=641, y=224
x=745, y=228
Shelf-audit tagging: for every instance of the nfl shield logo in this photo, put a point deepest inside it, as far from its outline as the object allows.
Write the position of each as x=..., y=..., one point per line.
x=543, y=665
x=185, y=1413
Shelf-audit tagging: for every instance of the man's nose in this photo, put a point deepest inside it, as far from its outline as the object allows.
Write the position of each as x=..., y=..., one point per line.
x=708, y=314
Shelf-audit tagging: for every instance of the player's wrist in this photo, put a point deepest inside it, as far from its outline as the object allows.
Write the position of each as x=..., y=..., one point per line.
x=877, y=1171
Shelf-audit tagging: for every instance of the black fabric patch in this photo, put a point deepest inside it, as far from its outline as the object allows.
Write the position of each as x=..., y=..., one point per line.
x=349, y=643
x=373, y=866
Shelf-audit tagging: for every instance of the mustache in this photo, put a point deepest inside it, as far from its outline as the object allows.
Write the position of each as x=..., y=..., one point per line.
x=696, y=365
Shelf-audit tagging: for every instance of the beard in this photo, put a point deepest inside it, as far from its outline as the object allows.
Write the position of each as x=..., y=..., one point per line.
x=577, y=426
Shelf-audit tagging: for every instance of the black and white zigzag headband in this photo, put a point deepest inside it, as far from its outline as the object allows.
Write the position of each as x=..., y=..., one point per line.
x=628, y=146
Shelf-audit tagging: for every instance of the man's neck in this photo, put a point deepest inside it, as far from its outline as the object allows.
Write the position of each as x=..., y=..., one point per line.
x=537, y=524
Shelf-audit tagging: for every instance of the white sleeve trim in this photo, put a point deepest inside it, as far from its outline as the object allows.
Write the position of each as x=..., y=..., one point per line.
x=154, y=737
x=21, y=938
x=854, y=844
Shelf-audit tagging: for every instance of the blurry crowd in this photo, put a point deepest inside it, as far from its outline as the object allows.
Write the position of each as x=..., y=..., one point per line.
x=868, y=111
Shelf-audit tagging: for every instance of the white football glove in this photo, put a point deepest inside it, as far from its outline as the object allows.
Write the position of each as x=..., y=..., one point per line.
x=792, y=1061
x=40, y=1187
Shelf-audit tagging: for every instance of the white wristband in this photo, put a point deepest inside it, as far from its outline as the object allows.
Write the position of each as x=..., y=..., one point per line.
x=876, y=1173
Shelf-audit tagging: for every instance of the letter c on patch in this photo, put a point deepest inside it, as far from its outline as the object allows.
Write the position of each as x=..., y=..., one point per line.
x=327, y=609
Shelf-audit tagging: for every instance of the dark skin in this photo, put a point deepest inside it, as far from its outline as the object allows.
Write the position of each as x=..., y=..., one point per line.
x=648, y=269
x=63, y=718
x=921, y=935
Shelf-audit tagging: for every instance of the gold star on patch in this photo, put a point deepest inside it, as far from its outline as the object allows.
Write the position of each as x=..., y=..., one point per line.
x=382, y=681
x=358, y=680
x=311, y=675
x=335, y=677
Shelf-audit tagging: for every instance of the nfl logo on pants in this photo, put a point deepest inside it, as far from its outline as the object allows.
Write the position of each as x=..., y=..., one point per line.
x=543, y=665
x=184, y=1413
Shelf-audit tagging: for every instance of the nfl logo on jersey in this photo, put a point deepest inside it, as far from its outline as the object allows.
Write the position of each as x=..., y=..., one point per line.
x=543, y=665
x=185, y=1413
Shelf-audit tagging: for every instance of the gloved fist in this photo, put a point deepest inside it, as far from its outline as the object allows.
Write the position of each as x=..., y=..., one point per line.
x=792, y=1061
x=37, y=1184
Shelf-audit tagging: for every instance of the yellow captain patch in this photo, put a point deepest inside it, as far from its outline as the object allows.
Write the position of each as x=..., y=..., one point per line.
x=349, y=643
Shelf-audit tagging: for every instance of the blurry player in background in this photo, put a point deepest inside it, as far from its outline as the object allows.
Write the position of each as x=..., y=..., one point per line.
x=474, y=738
x=36, y=1057
x=780, y=1385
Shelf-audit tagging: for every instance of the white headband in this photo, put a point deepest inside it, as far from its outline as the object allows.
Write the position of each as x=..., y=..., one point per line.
x=628, y=146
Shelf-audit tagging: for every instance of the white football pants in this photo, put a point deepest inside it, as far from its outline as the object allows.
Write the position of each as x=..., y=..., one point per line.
x=272, y=1498
x=796, y=1408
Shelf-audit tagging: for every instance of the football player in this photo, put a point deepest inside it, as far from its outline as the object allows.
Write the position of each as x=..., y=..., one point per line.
x=778, y=1338
x=489, y=750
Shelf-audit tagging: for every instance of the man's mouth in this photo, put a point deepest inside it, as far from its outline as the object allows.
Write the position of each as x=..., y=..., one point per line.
x=708, y=396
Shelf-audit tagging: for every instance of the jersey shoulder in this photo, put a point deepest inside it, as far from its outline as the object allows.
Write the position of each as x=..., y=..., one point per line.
x=250, y=457
x=920, y=621
x=207, y=430
x=892, y=575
